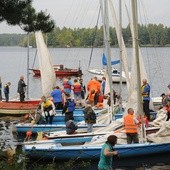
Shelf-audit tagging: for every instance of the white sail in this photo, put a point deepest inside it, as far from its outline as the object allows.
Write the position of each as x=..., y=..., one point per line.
x=48, y=78
x=132, y=100
x=124, y=51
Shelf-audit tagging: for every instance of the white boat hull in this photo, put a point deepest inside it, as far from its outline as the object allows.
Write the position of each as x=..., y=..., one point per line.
x=99, y=73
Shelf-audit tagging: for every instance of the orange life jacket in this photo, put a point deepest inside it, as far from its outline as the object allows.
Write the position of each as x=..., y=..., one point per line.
x=93, y=84
x=91, y=97
x=99, y=105
x=130, y=126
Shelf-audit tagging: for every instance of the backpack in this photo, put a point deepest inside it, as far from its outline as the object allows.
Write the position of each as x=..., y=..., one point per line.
x=93, y=116
x=70, y=127
x=89, y=114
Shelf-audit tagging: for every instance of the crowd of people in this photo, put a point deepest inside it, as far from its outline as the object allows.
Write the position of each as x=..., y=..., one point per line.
x=67, y=97
x=70, y=95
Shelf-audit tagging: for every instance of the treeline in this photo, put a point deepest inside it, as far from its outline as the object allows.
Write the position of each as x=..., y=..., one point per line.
x=150, y=35
x=11, y=39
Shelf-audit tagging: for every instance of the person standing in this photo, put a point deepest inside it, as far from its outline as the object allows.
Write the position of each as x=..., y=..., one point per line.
x=94, y=84
x=77, y=92
x=145, y=89
x=164, y=102
x=107, y=153
x=47, y=109
x=67, y=85
x=89, y=117
x=21, y=88
x=130, y=124
x=103, y=85
x=57, y=98
x=83, y=89
x=6, y=91
x=69, y=108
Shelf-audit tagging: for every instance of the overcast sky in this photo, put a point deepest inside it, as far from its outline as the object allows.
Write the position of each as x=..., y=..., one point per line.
x=83, y=13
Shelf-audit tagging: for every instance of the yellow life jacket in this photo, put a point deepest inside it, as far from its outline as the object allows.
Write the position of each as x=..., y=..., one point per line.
x=144, y=94
x=46, y=104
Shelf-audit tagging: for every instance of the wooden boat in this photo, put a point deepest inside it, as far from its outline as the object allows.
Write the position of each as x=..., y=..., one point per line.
x=61, y=71
x=18, y=108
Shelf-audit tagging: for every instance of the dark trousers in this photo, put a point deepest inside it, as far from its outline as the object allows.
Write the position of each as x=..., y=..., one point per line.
x=68, y=116
x=132, y=137
x=0, y=95
x=82, y=95
x=7, y=97
x=49, y=119
x=96, y=98
x=146, y=108
x=58, y=105
x=22, y=96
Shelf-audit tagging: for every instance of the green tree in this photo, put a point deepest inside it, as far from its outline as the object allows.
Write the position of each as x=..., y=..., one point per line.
x=11, y=11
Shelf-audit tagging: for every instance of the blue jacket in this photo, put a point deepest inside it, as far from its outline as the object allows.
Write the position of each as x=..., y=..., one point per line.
x=69, y=106
x=57, y=95
x=146, y=92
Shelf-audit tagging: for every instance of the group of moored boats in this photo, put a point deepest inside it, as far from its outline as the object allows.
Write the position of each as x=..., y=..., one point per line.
x=82, y=145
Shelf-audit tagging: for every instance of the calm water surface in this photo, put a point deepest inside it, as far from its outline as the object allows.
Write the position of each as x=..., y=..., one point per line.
x=14, y=63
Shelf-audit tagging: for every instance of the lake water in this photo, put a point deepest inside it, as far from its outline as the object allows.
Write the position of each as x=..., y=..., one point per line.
x=14, y=64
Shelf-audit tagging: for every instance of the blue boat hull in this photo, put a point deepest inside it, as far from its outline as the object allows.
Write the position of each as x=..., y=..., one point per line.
x=58, y=122
x=48, y=128
x=93, y=152
x=59, y=119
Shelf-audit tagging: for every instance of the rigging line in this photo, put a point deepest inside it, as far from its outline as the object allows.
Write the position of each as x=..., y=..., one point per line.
x=94, y=37
x=84, y=17
x=75, y=14
x=68, y=13
x=155, y=53
x=82, y=21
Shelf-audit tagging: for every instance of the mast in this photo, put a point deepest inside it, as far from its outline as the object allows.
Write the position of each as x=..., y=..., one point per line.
x=136, y=43
x=28, y=58
x=108, y=50
x=121, y=53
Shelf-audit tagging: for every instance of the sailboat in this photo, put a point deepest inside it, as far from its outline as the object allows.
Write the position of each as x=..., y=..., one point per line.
x=59, y=123
x=99, y=73
x=91, y=150
x=59, y=70
x=116, y=75
x=48, y=80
